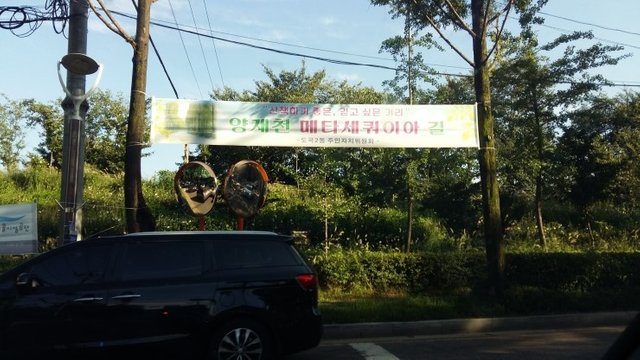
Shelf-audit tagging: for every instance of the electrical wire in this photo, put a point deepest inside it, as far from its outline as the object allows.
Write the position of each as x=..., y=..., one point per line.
x=177, y=27
x=333, y=61
x=155, y=50
x=284, y=52
x=160, y=23
x=213, y=42
x=596, y=38
x=204, y=56
x=15, y=17
x=164, y=68
x=590, y=24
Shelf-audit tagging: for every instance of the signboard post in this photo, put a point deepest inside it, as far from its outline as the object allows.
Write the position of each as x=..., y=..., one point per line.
x=18, y=229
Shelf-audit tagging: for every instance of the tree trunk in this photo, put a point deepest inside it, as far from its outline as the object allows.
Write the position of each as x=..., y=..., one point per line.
x=539, y=219
x=487, y=154
x=138, y=215
x=540, y=152
x=409, y=217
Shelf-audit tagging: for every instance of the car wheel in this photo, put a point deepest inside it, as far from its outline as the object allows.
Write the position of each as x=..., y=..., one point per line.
x=242, y=340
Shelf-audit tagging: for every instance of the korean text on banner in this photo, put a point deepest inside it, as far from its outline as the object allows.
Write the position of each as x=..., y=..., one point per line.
x=312, y=125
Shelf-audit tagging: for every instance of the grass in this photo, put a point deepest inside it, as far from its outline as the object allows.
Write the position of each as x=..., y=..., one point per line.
x=363, y=306
x=368, y=306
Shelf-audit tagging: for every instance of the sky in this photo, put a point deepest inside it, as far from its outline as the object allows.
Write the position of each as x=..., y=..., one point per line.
x=343, y=30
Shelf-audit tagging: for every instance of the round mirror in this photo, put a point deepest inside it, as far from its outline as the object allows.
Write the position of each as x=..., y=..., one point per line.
x=196, y=185
x=245, y=188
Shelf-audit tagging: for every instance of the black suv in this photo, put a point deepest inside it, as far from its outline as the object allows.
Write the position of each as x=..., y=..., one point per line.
x=222, y=295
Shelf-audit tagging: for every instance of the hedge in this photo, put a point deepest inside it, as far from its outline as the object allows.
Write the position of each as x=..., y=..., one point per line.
x=435, y=272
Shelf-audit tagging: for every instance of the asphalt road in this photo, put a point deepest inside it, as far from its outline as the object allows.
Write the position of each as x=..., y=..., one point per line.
x=575, y=343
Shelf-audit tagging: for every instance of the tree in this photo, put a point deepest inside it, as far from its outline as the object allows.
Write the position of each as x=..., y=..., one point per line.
x=287, y=165
x=582, y=145
x=138, y=215
x=624, y=150
x=452, y=173
x=599, y=151
x=49, y=118
x=438, y=14
x=11, y=133
x=106, y=132
x=534, y=91
x=411, y=70
x=106, y=125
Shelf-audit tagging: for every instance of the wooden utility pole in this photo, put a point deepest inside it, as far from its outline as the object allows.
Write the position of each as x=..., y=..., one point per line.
x=138, y=215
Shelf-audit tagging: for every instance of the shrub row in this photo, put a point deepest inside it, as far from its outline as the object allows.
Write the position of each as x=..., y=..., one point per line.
x=440, y=272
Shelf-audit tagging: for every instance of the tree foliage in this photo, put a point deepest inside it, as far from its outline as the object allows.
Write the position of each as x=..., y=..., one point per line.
x=105, y=130
x=11, y=133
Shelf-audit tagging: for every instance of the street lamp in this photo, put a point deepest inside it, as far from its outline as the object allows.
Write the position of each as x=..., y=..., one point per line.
x=78, y=66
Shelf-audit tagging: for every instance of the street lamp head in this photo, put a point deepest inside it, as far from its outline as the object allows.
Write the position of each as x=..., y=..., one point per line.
x=79, y=64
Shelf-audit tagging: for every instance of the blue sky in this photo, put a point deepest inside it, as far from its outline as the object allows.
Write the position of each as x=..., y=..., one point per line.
x=347, y=30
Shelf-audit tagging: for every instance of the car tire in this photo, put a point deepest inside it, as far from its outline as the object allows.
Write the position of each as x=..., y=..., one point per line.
x=242, y=340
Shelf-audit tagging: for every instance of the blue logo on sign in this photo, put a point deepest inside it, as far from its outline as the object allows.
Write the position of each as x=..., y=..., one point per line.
x=9, y=218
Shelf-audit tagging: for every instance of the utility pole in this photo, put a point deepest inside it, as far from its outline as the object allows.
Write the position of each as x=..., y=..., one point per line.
x=138, y=215
x=71, y=192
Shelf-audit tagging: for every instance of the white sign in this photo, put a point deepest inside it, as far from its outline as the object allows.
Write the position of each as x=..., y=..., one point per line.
x=18, y=229
x=312, y=125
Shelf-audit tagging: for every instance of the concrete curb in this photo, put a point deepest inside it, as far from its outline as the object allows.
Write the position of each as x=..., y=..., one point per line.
x=476, y=325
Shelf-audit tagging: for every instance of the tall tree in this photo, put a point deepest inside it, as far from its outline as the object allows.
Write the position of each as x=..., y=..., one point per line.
x=436, y=15
x=11, y=133
x=599, y=152
x=624, y=150
x=534, y=91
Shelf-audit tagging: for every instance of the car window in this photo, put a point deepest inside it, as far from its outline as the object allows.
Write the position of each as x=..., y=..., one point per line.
x=249, y=253
x=78, y=265
x=162, y=260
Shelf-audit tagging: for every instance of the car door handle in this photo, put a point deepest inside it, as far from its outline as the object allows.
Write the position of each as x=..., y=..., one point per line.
x=88, y=299
x=126, y=296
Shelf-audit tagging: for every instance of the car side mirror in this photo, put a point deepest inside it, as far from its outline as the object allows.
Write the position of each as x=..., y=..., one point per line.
x=26, y=280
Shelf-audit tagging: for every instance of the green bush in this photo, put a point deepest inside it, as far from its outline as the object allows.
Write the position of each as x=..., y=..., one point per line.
x=415, y=272
x=445, y=272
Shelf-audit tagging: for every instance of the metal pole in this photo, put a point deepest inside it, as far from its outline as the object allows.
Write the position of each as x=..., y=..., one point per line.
x=71, y=192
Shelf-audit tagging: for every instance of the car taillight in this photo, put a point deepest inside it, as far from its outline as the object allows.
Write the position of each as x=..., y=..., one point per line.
x=307, y=281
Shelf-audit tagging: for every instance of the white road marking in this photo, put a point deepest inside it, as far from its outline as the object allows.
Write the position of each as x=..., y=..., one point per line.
x=371, y=351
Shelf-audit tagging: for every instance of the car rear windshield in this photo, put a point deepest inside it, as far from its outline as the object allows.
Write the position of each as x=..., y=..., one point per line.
x=229, y=254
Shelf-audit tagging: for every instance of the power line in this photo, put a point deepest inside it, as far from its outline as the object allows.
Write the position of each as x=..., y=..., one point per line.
x=342, y=62
x=204, y=56
x=596, y=38
x=213, y=42
x=164, y=68
x=155, y=50
x=324, y=59
x=284, y=52
x=193, y=72
x=211, y=32
x=590, y=24
x=15, y=17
